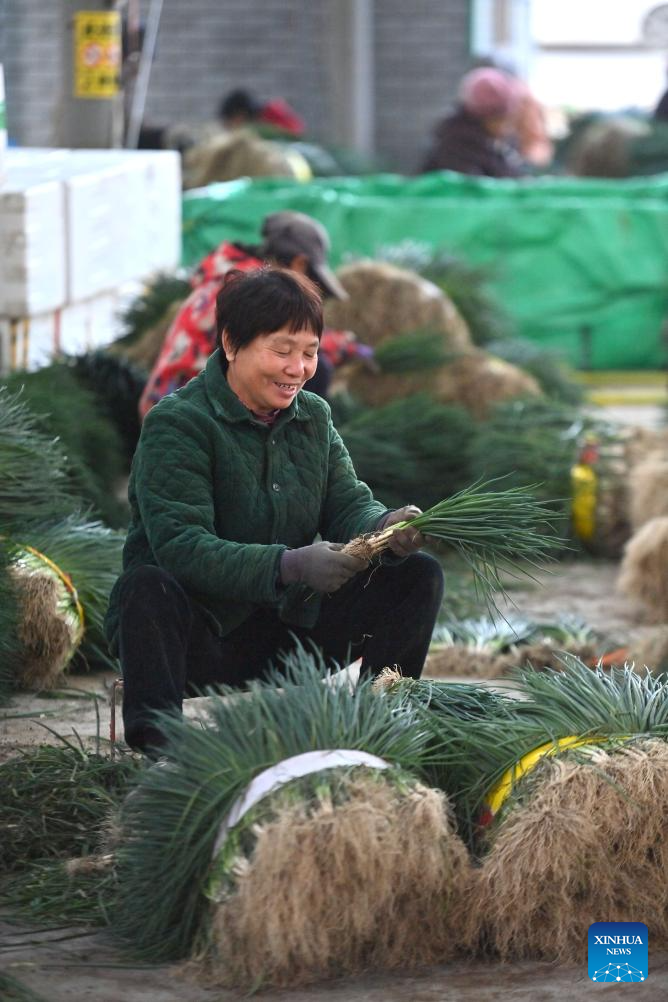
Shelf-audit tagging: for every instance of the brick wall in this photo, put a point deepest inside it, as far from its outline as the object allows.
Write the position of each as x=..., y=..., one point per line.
x=421, y=51
x=275, y=47
x=31, y=44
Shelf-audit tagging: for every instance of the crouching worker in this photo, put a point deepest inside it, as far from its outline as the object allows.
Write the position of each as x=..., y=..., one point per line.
x=234, y=477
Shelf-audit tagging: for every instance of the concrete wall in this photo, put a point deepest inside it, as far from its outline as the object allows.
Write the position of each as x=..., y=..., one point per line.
x=275, y=47
x=421, y=51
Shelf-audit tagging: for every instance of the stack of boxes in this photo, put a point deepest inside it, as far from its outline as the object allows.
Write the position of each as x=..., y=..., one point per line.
x=78, y=229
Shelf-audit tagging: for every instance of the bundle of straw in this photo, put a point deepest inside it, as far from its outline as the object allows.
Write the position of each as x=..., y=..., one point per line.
x=465, y=284
x=494, y=531
x=386, y=301
x=473, y=379
x=51, y=624
x=61, y=575
x=586, y=836
x=643, y=574
x=335, y=874
x=649, y=489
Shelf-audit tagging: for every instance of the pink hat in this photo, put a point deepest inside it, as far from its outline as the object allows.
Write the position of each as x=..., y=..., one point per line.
x=487, y=93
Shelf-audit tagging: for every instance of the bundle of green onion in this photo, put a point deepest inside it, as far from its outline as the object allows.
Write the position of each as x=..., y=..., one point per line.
x=479, y=737
x=33, y=479
x=493, y=530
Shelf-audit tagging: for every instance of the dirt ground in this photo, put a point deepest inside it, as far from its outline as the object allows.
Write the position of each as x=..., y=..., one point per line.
x=64, y=964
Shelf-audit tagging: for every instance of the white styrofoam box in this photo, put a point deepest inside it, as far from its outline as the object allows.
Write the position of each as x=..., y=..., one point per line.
x=33, y=258
x=122, y=212
x=123, y=219
x=30, y=342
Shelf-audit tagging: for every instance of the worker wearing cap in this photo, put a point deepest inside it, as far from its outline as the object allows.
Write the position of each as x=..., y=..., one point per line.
x=290, y=239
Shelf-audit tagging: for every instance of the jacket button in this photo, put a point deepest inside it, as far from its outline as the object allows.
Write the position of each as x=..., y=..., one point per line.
x=273, y=441
x=276, y=487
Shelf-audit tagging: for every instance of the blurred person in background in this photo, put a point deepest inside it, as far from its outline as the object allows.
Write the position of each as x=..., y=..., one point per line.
x=290, y=239
x=480, y=137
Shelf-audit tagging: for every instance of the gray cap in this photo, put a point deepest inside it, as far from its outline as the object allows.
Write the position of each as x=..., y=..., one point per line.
x=287, y=234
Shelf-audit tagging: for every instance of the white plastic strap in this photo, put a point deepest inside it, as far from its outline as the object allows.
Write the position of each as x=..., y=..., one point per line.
x=283, y=772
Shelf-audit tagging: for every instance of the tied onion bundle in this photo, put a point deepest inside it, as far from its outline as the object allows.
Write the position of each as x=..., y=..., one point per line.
x=494, y=531
x=564, y=794
x=334, y=874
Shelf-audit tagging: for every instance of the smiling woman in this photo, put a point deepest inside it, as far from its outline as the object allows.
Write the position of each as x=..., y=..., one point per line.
x=235, y=476
x=267, y=361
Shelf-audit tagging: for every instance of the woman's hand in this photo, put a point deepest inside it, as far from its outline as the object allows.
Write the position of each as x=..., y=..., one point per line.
x=321, y=566
x=403, y=542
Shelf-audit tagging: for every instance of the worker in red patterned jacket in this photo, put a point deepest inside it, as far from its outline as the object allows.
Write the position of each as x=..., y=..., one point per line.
x=290, y=239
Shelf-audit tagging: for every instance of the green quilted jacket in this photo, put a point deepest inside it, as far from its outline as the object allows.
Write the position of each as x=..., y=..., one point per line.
x=217, y=496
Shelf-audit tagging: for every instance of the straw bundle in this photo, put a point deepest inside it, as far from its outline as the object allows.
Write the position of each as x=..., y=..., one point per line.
x=648, y=489
x=460, y=661
x=360, y=875
x=239, y=153
x=643, y=574
x=61, y=576
x=585, y=840
x=474, y=380
x=51, y=623
x=386, y=301
x=465, y=284
x=277, y=923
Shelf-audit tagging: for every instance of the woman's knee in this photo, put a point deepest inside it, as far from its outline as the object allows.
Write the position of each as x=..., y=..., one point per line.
x=425, y=574
x=150, y=585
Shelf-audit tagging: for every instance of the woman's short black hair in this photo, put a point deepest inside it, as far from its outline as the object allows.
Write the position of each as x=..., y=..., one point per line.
x=263, y=301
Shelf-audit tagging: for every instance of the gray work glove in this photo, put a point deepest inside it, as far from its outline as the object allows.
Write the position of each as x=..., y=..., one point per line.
x=403, y=542
x=321, y=566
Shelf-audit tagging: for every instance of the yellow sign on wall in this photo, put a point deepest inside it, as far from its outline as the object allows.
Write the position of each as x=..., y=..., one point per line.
x=97, y=53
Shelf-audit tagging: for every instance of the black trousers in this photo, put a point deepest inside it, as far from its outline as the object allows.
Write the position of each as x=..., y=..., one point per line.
x=169, y=650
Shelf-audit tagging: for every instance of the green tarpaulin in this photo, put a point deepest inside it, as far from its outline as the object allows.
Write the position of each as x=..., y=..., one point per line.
x=581, y=265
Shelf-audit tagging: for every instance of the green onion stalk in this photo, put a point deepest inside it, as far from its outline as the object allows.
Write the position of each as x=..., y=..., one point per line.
x=494, y=531
x=67, y=410
x=33, y=481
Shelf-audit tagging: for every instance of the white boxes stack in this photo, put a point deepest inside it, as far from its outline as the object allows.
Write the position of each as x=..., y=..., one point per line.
x=78, y=228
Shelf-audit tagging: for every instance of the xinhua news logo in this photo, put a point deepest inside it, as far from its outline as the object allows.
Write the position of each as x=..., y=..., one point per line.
x=618, y=951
